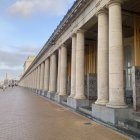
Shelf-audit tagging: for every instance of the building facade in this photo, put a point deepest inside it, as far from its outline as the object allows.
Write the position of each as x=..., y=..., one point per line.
x=28, y=62
x=92, y=60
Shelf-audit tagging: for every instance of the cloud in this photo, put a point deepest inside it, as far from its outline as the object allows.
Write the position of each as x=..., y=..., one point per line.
x=28, y=7
x=12, y=61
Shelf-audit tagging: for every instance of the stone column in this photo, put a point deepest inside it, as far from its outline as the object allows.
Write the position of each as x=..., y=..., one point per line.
x=32, y=79
x=116, y=81
x=38, y=78
x=28, y=81
x=73, y=66
x=103, y=71
x=42, y=76
x=31, y=76
x=63, y=71
x=59, y=68
x=80, y=48
x=46, y=75
x=52, y=84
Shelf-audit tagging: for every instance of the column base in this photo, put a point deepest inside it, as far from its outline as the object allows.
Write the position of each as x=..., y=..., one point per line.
x=60, y=98
x=110, y=115
x=76, y=103
x=45, y=93
x=80, y=97
x=116, y=105
x=42, y=92
x=101, y=102
x=51, y=95
x=71, y=95
x=34, y=90
x=38, y=91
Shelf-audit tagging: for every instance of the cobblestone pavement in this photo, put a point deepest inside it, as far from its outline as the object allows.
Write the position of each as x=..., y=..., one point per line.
x=26, y=116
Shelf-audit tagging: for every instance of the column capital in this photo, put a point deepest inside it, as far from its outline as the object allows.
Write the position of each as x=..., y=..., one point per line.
x=54, y=53
x=63, y=45
x=81, y=31
x=102, y=11
x=114, y=2
x=46, y=59
x=73, y=35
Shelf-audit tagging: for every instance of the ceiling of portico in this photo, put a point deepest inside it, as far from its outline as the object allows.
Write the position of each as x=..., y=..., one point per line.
x=91, y=29
x=132, y=6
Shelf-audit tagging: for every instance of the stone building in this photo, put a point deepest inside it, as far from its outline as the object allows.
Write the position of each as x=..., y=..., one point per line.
x=92, y=60
x=28, y=62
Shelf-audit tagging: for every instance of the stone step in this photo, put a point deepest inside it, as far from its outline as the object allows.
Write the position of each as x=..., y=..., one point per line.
x=86, y=110
x=64, y=103
x=132, y=126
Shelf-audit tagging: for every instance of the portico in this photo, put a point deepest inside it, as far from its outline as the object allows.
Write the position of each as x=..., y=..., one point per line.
x=92, y=60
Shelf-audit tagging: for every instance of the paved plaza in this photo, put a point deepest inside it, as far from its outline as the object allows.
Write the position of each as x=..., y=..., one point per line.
x=26, y=116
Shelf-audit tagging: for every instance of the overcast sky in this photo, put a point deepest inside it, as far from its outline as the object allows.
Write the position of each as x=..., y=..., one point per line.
x=25, y=26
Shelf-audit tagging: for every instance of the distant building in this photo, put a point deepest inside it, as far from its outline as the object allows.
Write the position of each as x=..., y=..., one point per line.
x=28, y=62
x=9, y=81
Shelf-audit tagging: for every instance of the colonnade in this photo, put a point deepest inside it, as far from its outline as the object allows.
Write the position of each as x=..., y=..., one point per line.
x=51, y=75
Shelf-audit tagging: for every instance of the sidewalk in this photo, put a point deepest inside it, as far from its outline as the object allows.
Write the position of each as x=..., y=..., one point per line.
x=26, y=116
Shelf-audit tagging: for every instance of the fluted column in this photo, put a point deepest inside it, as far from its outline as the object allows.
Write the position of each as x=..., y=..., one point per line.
x=42, y=76
x=73, y=66
x=63, y=71
x=59, y=67
x=46, y=75
x=103, y=71
x=52, y=83
x=116, y=81
x=80, y=48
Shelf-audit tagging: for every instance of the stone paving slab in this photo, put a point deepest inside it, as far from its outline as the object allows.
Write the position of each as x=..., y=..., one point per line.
x=27, y=116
